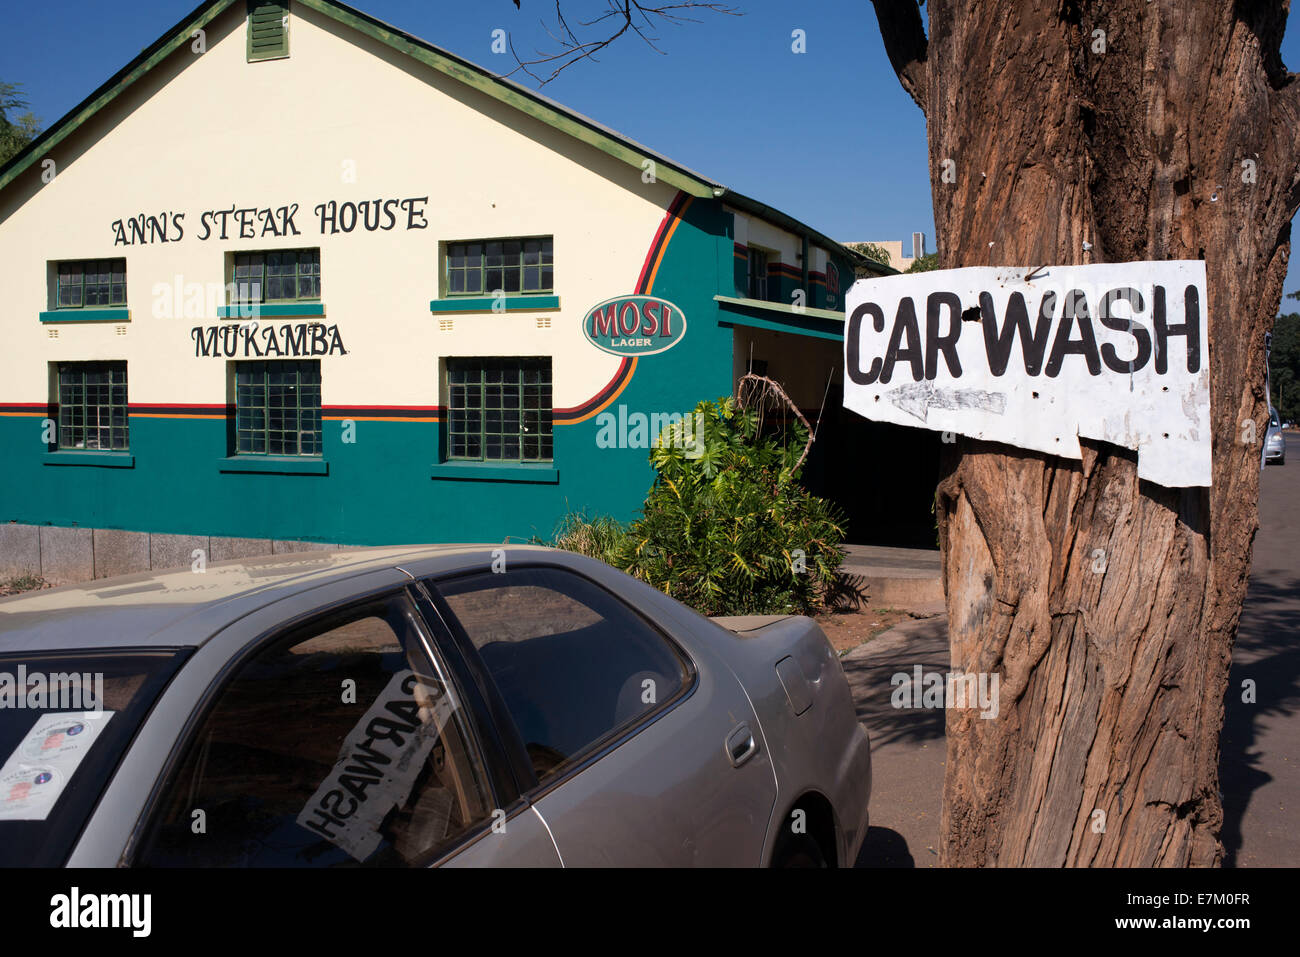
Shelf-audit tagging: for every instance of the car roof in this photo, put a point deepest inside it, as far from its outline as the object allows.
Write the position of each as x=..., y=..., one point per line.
x=183, y=608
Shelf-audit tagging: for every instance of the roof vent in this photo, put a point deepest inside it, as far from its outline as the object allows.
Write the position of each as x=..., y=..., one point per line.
x=268, y=29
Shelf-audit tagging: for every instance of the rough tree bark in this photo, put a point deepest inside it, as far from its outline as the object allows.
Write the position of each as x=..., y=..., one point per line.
x=1112, y=683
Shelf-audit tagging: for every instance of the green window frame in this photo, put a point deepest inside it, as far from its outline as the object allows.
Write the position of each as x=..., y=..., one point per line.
x=517, y=266
x=277, y=408
x=268, y=29
x=499, y=409
x=275, y=275
x=92, y=404
x=90, y=284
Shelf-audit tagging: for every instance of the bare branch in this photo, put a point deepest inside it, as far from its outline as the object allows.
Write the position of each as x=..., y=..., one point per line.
x=638, y=16
x=755, y=391
x=905, y=43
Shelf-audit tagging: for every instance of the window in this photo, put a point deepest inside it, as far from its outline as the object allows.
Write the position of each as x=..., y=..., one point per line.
x=499, y=410
x=92, y=406
x=291, y=770
x=277, y=408
x=284, y=275
x=268, y=29
x=63, y=743
x=573, y=664
x=757, y=273
x=91, y=284
x=511, y=265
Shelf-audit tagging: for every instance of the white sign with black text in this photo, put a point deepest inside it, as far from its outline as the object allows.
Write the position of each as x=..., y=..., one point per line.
x=1117, y=352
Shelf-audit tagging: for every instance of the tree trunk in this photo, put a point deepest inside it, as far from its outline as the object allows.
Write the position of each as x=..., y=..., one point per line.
x=1169, y=135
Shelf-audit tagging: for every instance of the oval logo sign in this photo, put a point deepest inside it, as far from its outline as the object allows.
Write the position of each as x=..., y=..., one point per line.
x=634, y=325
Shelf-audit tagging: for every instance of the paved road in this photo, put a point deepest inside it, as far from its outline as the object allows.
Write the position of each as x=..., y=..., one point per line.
x=1260, y=757
x=1259, y=766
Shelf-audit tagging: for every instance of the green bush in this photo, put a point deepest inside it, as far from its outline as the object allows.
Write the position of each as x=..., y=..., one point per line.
x=727, y=528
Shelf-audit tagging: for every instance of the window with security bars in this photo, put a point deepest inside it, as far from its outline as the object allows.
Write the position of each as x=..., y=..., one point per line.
x=499, y=410
x=91, y=283
x=282, y=275
x=92, y=406
x=512, y=265
x=277, y=408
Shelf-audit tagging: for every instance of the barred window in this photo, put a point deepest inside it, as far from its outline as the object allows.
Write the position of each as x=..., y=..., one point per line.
x=499, y=410
x=511, y=265
x=91, y=283
x=92, y=406
x=284, y=275
x=277, y=408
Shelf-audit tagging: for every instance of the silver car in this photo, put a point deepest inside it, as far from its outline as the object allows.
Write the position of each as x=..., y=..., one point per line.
x=413, y=706
x=1274, y=440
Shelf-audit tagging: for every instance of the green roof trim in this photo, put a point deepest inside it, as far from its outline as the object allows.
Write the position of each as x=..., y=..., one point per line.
x=506, y=91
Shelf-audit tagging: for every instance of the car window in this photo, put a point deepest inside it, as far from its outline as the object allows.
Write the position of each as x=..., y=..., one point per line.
x=1273, y=419
x=65, y=721
x=572, y=662
x=339, y=745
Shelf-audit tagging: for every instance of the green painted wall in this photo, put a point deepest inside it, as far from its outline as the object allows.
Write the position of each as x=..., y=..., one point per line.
x=379, y=489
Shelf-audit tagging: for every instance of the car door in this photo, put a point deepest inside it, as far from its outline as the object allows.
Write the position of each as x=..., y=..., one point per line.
x=632, y=751
x=341, y=737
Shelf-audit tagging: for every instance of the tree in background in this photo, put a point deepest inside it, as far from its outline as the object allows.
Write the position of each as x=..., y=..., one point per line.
x=1284, y=367
x=924, y=263
x=873, y=251
x=15, y=133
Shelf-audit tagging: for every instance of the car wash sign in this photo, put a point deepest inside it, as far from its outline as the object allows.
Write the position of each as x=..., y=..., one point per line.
x=634, y=325
x=1114, y=352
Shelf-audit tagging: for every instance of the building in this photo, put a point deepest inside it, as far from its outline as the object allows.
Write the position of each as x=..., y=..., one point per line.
x=293, y=274
x=894, y=249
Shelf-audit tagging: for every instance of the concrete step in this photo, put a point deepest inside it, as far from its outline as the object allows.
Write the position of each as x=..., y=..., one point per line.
x=900, y=577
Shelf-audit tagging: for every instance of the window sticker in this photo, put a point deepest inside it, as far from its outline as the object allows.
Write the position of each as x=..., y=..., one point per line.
x=378, y=763
x=38, y=770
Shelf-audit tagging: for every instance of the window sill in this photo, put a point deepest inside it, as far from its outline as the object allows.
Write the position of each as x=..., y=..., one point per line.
x=537, y=473
x=279, y=464
x=272, y=310
x=104, y=460
x=528, y=303
x=87, y=315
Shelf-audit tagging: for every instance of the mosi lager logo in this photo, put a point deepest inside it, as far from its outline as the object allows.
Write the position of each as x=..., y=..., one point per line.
x=832, y=284
x=634, y=325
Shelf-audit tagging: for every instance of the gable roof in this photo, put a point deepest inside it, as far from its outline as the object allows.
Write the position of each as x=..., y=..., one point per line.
x=507, y=91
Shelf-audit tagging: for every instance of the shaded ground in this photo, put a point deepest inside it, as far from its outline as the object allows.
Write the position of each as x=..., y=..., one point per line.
x=1259, y=762
x=908, y=747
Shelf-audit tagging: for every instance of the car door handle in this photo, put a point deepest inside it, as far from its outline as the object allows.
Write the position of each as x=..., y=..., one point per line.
x=740, y=745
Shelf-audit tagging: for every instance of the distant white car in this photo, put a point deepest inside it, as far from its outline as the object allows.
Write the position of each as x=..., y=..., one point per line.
x=1274, y=440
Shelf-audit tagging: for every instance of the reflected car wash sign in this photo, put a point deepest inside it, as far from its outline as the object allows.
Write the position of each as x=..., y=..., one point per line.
x=634, y=325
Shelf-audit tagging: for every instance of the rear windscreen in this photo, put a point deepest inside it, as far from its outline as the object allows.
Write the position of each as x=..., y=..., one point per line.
x=65, y=720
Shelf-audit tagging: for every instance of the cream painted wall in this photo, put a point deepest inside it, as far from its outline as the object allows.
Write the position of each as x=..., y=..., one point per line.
x=757, y=232
x=268, y=134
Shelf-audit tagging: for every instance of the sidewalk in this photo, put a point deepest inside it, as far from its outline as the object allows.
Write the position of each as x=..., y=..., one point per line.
x=904, y=577
x=908, y=748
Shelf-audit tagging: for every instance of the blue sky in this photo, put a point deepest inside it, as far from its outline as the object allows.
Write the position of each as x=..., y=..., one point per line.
x=827, y=136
